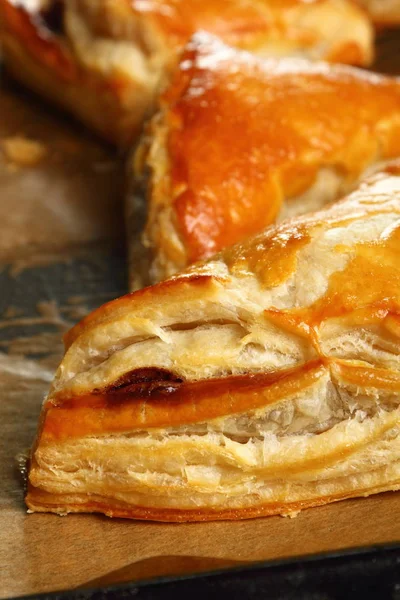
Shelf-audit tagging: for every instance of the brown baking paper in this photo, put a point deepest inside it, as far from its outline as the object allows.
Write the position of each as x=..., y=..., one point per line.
x=65, y=203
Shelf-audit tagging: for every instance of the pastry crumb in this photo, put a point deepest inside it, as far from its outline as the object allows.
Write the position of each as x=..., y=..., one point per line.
x=291, y=515
x=23, y=151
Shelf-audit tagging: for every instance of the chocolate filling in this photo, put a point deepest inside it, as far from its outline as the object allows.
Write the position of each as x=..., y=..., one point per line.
x=144, y=382
x=53, y=17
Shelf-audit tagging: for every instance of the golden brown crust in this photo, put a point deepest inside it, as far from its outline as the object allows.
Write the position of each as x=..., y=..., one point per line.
x=138, y=408
x=237, y=139
x=104, y=61
x=290, y=26
x=45, y=62
x=191, y=286
x=263, y=381
x=39, y=501
x=272, y=258
x=31, y=31
x=188, y=403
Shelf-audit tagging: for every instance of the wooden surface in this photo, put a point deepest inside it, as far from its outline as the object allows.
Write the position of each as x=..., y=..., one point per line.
x=61, y=250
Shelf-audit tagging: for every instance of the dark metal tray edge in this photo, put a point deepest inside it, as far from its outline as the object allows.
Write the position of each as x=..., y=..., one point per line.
x=367, y=572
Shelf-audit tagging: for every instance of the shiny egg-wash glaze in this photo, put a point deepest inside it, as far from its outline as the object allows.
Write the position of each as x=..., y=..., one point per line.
x=263, y=381
x=239, y=141
x=104, y=60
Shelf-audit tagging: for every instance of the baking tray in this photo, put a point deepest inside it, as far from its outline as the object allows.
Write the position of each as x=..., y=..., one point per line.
x=62, y=254
x=364, y=573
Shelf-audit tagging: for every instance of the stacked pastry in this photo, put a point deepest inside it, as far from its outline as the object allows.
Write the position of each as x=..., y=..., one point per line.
x=239, y=141
x=104, y=60
x=264, y=379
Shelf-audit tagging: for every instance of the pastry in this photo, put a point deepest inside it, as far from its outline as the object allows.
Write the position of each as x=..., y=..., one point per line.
x=239, y=141
x=103, y=60
x=263, y=381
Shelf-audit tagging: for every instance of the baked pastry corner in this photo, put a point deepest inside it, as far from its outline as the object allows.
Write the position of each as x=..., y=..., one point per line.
x=104, y=61
x=238, y=142
x=263, y=381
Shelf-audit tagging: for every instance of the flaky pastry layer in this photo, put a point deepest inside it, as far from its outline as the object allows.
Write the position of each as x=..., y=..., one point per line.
x=104, y=60
x=262, y=381
x=239, y=142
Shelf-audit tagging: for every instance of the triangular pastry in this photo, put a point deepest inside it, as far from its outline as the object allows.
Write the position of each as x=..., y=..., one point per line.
x=261, y=382
x=104, y=60
x=239, y=141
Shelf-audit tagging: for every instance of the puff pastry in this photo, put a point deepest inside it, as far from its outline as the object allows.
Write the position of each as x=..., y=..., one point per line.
x=239, y=141
x=383, y=12
x=104, y=60
x=261, y=382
